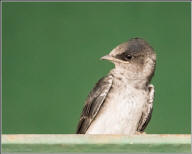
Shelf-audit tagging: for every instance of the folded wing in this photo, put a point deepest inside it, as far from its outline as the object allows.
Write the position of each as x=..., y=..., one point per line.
x=93, y=103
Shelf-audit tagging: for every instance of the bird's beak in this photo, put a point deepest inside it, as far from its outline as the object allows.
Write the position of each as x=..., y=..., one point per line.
x=108, y=57
x=112, y=59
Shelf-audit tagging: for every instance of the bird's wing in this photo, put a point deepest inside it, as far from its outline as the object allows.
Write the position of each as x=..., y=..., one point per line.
x=93, y=103
x=146, y=115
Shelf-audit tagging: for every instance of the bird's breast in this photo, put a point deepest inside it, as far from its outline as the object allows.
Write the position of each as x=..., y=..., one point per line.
x=120, y=112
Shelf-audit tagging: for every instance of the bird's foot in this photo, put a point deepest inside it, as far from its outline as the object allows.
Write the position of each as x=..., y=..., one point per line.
x=140, y=133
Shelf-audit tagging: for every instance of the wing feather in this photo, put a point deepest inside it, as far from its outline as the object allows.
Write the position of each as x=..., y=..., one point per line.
x=146, y=115
x=93, y=103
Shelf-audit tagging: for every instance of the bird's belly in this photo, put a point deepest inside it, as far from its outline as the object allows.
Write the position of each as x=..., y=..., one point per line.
x=119, y=114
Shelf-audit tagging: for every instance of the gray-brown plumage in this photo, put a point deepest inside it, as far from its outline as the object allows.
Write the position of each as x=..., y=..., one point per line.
x=122, y=102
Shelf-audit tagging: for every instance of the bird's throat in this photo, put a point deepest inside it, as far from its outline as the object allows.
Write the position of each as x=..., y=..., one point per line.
x=123, y=78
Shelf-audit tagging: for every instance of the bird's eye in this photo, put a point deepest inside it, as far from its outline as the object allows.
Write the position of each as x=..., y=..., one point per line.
x=128, y=57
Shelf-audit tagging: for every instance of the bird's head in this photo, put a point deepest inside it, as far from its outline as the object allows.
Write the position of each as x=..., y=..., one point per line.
x=134, y=57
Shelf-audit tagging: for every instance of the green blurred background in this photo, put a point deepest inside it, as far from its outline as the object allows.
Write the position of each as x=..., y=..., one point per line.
x=51, y=54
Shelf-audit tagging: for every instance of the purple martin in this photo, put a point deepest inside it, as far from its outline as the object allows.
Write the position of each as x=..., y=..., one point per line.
x=122, y=101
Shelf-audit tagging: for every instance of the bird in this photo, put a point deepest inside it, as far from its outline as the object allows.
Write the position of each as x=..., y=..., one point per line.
x=122, y=101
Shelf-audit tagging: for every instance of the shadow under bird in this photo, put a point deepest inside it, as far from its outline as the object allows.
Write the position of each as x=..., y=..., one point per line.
x=122, y=101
